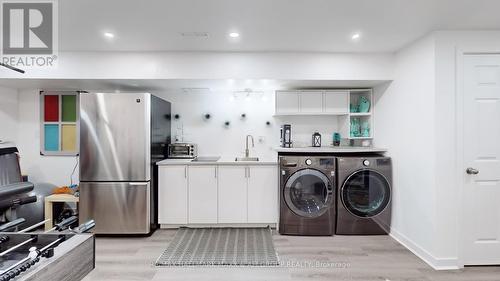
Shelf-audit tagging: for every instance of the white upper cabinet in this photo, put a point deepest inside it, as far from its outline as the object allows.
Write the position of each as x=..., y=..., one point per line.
x=173, y=194
x=311, y=102
x=336, y=102
x=287, y=102
x=202, y=186
x=314, y=102
x=232, y=194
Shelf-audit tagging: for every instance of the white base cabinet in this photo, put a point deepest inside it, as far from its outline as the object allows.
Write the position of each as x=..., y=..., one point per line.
x=202, y=194
x=224, y=194
x=262, y=194
x=173, y=194
x=232, y=201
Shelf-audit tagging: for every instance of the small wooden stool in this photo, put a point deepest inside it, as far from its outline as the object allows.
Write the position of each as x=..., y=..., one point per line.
x=56, y=198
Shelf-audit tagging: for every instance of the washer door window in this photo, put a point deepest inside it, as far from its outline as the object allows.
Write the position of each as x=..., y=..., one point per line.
x=366, y=193
x=308, y=193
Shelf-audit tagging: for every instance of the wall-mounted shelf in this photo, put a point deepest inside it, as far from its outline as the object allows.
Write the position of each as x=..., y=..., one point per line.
x=312, y=114
x=360, y=138
x=364, y=118
x=335, y=103
x=360, y=114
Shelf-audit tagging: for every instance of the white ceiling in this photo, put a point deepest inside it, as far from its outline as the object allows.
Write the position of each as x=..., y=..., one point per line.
x=264, y=25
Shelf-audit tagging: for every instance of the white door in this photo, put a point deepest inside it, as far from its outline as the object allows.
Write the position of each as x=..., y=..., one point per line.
x=263, y=194
x=311, y=102
x=232, y=194
x=202, y=192
x=481, y=131
x=172, y=195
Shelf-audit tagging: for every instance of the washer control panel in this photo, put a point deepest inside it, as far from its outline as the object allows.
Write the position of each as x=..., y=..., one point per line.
x=366, y=162
x=308, y=162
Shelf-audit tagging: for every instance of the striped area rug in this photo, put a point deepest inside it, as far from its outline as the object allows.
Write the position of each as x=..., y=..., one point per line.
x=220, y=246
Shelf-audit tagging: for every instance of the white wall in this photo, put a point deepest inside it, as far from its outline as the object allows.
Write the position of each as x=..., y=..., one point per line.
x=213, y=138
x=423, y=143
x=449, y=45
x=405, y=122
x=47, y=169
x=8, y=116
x=214, y=65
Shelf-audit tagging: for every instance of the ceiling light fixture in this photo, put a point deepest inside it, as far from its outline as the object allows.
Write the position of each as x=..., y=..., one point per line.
x=109, y=35
x=356, y=36
x=234, y=35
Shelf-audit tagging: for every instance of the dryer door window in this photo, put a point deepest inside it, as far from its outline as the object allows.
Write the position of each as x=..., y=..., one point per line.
x=308, y=193
x=366, y=193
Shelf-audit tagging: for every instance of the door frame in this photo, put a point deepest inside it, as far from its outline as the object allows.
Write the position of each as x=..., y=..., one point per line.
x=460, y=55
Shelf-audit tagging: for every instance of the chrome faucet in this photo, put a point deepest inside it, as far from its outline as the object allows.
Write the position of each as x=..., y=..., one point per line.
x=247, y=152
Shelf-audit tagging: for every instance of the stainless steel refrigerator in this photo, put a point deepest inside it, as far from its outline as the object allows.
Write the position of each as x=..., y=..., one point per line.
x=122, y=136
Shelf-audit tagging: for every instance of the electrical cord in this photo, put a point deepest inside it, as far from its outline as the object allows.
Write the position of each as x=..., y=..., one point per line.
x=74, y=169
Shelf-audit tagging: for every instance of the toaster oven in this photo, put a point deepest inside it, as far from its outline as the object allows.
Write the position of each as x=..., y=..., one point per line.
x=182, y=150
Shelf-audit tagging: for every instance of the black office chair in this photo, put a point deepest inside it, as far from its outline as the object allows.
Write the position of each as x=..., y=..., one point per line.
x=21, y=203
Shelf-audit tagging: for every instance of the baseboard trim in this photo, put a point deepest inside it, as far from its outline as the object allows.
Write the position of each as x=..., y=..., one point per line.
x=240, y=225
x=435, y=263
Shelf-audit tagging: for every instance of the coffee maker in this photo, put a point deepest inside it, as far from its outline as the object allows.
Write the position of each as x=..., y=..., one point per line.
x=286, y=135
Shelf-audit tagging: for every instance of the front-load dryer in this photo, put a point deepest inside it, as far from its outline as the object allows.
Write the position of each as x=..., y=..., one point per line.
x=307, y=195
x=364, y=195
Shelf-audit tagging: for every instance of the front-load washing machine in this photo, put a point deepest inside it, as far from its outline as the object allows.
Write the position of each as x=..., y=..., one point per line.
x=364, y=195
x=307, y=195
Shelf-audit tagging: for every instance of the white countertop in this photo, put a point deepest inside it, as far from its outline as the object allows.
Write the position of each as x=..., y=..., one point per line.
x=221, y=161
x=332, y=149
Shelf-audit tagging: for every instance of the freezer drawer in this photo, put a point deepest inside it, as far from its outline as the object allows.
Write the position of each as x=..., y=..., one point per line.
x=116, y=207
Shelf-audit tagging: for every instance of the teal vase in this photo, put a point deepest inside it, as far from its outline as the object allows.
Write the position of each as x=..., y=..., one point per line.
x=355, y=127
x=364, y=104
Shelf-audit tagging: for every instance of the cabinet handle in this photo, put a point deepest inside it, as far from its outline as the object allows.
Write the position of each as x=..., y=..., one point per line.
x=215, y=169
x=248, y=172
x=185, y=171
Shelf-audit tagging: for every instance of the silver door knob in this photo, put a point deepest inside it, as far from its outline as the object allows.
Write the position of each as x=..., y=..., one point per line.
x=472, y=171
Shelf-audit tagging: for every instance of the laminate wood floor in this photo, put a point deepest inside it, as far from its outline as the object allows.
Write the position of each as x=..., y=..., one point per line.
x=346, y=258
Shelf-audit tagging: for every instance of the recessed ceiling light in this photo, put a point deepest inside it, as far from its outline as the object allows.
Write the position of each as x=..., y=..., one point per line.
x=195, y=34
x=109, y=35
x=356, y=36
x=234, y=34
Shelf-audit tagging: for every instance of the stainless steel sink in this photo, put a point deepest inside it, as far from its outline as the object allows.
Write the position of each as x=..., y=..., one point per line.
x=206, y=159
x=239, y=159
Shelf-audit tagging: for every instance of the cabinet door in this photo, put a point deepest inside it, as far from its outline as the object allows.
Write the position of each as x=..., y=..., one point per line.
x=202, y=194
x=336, y=102
x=232, y=194
x=287, y=102
x=263, y=194
x=172, y=195
x=311, y=102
